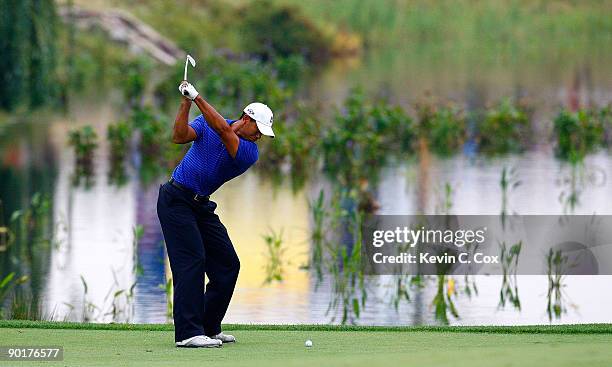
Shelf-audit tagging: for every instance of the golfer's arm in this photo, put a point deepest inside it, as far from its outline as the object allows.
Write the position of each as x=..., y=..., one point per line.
x=218, y=123
x=182, y=132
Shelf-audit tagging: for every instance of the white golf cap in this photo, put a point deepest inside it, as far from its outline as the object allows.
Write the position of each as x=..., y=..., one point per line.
x=262, y=115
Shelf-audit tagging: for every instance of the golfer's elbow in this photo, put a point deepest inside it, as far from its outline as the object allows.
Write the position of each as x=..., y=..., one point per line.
x=179, y=138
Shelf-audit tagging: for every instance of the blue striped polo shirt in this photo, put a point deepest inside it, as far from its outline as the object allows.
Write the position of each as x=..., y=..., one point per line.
x=207, y=164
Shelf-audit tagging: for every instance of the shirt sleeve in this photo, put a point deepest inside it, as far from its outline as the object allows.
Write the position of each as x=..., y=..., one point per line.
x=198, y=124
x=246, y=155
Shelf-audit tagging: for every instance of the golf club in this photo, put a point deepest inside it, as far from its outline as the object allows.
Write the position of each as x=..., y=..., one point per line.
x=189, y=60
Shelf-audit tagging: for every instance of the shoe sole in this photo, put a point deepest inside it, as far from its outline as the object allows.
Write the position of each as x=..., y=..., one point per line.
x=198, y=346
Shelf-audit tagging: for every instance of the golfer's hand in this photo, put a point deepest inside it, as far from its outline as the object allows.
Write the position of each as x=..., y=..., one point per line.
x=188, y=90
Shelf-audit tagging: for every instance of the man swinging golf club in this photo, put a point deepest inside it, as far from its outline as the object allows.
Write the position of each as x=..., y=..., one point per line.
x=196, y=240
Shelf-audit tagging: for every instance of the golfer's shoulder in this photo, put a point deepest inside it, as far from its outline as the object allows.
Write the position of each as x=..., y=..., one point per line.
x=199, y=125
x=247, y=153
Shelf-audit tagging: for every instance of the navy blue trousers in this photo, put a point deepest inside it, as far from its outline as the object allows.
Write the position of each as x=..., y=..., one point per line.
x=197, y=244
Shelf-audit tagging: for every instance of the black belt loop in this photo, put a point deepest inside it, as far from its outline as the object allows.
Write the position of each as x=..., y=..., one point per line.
x=195, y=196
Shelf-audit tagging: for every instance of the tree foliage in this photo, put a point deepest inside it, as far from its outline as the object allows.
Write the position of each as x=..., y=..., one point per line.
x=28, y=45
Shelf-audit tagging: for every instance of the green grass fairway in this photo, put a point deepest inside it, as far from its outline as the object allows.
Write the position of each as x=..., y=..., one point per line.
x=152, y=345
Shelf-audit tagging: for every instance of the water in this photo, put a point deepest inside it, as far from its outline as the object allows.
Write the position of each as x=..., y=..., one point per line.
x=93, y=245
x=94, y=235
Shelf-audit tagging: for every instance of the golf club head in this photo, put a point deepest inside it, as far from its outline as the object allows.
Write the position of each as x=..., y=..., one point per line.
x=191, y=60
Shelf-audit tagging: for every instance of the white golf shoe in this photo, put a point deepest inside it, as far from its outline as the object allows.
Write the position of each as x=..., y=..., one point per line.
x=225, y=338
x=199, y=341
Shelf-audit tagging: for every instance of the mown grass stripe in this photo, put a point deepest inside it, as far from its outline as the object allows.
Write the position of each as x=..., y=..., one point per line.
x=529, y=329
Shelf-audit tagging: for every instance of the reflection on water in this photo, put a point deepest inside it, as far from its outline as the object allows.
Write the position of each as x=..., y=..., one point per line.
x=88, y=268
x=91, y=267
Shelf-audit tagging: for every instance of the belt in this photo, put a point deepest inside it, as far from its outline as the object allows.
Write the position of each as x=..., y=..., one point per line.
x=195, y=196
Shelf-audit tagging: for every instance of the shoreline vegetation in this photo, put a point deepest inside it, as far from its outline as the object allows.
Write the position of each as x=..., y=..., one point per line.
x=524, y=329
x=55, y=67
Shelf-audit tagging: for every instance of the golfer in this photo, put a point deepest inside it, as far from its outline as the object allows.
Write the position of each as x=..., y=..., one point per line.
x=196, y=240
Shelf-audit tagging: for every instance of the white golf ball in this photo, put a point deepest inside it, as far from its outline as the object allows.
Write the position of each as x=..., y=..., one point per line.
x=308, y=343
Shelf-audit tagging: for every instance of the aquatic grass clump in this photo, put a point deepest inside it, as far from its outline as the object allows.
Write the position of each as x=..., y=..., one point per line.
x=443, y=300
x=505, y=128
x=508, y=182
x=557, y=265
x=274, y=256
x=135, y=74
x=578, y=134
x=154, y=142
x=31, y=232
x=509, y=288
x=362, y=138
x=154, y=134
x=84, y=141
x=443, y=127
x=118, y=136
x=298, y=150
x=336, y=239
x=9, y=289
x=604, y=115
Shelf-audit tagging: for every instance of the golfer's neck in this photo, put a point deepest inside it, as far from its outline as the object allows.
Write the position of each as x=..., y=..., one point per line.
x=236, y=126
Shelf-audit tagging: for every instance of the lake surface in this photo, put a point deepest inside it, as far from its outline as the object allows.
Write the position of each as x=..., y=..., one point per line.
x=93, y=256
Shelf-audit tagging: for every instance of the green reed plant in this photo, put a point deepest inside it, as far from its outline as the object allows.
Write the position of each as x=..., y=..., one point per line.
x=274, y=256
x=605, y=116
x=154, y=134
x=88, y=307
x=303, y=137
x=6, y=235
x=445, y=200
x=442, y=127
x=317, y=234
x=168, y=289
x=578, y=134
x=84, y=142
x=298, y=152
x=136, y=72
x=362, y=137
x=31, y=225
x=573, y=184
x=349, y=293
x=24, y=306
x=402, y=285
x=509, y=257
x=508, y=182
x=7, y=286
x=31, y=232
x=120, y=305
x=443, y=302
x=505, y=128
x=118, y=136
x=336, y=252
x=469, y=285
x=557, y=264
